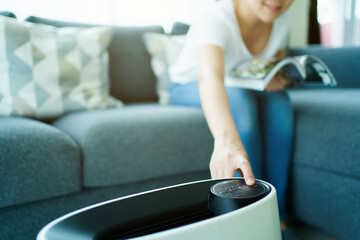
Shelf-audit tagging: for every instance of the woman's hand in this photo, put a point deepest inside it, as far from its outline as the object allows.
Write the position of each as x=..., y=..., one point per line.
x=279, y=82
x=228, y=158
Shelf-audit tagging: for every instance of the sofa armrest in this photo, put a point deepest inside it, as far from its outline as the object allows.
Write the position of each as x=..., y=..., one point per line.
x=325, y=171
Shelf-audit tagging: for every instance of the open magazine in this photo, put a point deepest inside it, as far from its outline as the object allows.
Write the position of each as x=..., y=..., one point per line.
x=257, y=73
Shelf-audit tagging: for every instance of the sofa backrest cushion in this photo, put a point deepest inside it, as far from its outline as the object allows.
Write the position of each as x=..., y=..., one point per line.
x=131, y=76
x=179, y=28
x=7, y=14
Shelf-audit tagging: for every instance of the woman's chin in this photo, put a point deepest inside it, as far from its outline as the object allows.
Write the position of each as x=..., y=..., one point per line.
x=269, y=17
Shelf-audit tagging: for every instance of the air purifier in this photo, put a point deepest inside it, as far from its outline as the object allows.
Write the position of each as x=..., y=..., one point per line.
x=221, y=209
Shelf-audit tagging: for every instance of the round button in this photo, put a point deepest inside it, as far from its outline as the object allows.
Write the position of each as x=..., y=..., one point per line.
x=230, y=195
x=238, y=189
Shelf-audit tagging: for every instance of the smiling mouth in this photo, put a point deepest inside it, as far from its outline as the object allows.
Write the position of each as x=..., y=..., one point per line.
x=273, y=8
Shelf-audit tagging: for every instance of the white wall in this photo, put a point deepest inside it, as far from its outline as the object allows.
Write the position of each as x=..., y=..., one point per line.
x=299, y=23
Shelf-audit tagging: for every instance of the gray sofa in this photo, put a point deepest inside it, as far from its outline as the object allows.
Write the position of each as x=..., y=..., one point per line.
x=48, y=169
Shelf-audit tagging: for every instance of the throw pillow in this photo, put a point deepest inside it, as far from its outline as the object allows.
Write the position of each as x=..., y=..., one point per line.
x=164, y=51
x=47, y=71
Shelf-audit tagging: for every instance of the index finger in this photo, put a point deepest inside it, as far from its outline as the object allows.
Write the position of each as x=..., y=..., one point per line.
x=247, y=172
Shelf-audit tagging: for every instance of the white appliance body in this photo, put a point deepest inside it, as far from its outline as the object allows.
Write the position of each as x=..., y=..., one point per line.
x=256, y=221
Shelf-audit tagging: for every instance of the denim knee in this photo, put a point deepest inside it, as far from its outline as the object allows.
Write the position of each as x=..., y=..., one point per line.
x=243, y=108
x=185, y=94
x=278, y=112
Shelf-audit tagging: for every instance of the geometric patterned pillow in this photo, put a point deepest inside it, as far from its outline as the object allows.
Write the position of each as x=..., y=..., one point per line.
x=164, y=51
x=47, y=71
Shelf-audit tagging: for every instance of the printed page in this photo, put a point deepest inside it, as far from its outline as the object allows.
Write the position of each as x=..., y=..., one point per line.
x=256, y=69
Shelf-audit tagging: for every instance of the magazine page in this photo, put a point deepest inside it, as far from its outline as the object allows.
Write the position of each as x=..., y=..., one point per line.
x=257, y=73
x=254, y=69
x=321, y=69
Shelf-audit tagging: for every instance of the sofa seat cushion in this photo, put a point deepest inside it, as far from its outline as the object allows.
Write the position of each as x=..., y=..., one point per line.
x=326, y=201
x=326, y=169
x=328, y=129
x=37, y=161
x=139, y=142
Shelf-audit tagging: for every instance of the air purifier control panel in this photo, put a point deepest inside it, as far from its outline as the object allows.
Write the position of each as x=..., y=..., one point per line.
x=238, y=189
x=230, y=195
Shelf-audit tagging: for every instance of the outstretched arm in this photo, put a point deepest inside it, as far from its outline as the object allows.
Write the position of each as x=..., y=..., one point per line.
x=229, y=153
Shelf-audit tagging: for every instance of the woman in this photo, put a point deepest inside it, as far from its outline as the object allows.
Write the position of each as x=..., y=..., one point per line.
x=248, y=126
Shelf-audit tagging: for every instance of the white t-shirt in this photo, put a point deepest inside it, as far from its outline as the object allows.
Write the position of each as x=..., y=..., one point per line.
x=219, y=26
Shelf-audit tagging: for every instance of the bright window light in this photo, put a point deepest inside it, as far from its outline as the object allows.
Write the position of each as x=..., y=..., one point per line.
x=357, y=10
x=116, y=12
x=325, y=11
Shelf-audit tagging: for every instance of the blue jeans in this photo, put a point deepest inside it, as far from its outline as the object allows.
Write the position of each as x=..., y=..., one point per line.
x=264, y=121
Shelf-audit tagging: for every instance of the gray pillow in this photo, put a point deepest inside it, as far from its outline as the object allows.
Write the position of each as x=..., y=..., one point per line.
x=7, y=14
x=164, y=51
x=47, y=71
x=127, y=55
x=179, y=28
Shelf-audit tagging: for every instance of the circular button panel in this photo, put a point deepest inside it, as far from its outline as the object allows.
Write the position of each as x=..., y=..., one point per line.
x=238, y=189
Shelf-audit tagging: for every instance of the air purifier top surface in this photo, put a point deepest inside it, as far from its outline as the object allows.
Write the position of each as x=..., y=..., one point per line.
x=238, y=189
